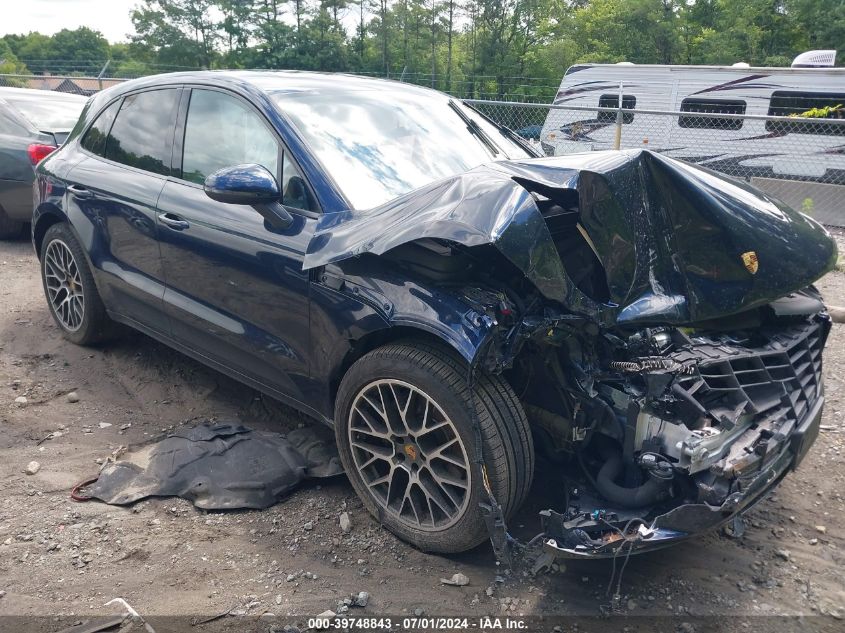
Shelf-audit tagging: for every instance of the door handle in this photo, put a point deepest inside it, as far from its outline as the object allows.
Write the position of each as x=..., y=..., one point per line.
x=80, y=192
x=173, y=221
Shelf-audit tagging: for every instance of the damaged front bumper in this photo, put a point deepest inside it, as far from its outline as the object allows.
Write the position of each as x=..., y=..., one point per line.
x=593, y=536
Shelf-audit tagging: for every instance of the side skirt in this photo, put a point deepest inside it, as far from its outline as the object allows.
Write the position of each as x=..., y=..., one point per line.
x=223, y=369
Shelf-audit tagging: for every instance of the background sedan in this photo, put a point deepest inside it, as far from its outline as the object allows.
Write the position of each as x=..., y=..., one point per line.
x=32, y=124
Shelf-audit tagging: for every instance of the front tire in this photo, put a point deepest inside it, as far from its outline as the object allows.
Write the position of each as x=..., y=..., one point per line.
x=407, y=441
x=69, y=287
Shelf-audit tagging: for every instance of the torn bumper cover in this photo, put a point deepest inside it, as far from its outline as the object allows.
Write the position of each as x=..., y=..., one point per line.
x=769, y=402
x=571, y=539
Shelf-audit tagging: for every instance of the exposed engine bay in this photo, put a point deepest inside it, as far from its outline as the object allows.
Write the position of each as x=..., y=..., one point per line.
x=649, y=423
x=657, y=322
x=659, y=432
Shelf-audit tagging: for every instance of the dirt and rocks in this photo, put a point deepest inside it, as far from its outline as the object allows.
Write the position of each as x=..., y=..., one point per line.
x=63, y=409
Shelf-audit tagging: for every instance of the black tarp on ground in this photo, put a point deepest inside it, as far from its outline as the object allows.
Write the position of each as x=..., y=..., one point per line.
x=217, y=466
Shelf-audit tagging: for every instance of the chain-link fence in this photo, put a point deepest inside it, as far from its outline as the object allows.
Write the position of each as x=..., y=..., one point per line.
x=79, y=85
x=800, y=160
x=87, y=78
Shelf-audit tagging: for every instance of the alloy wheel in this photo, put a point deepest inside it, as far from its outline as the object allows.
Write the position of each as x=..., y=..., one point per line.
x=64, y=285
x=409, y=455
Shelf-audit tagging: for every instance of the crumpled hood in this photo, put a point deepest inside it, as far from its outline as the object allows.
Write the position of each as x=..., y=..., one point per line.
x=678, y=243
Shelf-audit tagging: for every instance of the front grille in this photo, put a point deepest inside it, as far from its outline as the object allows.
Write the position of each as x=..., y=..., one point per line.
x=781, y=378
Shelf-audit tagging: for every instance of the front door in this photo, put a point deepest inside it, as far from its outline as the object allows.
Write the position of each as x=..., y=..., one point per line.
x=235, y=289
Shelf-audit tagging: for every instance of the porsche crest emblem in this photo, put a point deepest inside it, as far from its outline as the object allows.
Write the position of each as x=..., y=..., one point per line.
x=411, y=451
x=751, y=262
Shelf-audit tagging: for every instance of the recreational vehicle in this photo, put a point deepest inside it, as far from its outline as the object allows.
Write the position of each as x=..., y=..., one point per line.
x=753, y=148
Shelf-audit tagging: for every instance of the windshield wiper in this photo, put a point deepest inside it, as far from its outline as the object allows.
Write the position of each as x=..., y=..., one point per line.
x=504, y=129
x=474, y=128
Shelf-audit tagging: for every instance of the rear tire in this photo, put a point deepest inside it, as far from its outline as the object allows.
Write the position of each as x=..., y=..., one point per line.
x=430, y=448
x=72, y=296
x=9, y=228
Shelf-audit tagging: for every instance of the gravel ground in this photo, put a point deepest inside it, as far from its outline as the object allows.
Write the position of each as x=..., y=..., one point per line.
x=64, y=560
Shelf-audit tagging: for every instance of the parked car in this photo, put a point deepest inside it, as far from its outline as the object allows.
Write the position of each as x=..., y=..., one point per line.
x=32, y=124
x=388, y=261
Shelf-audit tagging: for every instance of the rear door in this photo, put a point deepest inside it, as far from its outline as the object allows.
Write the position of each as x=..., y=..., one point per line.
x=111, y=199
x=236, y=291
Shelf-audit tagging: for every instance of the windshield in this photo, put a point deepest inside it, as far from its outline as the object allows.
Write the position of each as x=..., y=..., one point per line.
x=378, y=145
x=47, y=111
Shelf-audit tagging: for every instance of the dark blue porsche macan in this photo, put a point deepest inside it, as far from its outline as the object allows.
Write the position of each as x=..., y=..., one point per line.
x=388, y=260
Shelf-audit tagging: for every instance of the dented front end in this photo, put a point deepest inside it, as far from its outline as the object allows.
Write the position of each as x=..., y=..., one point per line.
x=689, y=427
x=658, y=322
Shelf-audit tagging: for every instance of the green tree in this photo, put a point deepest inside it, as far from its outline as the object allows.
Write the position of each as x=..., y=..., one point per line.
x=178, y=30
x=472, y=47
x=323, y=41
x=81, y=50
x=819, y=23
x=34, y=49
x=11, y=65
x=236, y=23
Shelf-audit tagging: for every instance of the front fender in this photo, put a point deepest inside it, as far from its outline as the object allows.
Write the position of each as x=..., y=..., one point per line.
x=377, y=301
x=358, y=306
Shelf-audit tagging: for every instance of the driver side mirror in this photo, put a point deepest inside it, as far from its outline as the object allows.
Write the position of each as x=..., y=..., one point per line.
x=253, y=185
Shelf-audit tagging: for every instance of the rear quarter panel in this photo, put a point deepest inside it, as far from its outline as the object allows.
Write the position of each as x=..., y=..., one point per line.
x=47, y=194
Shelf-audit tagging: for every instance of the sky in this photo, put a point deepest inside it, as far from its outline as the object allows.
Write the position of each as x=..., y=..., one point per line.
x=110, y=17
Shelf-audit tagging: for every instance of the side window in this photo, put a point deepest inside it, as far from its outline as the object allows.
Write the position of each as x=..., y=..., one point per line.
x=629, y=102
x=221, y=131
x=95, y=138
x=712, y=106
x=141, y=134
x=294, y=191
x=803, y=106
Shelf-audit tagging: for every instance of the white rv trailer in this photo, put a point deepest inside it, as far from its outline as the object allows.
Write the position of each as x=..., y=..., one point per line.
x=756, y=149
